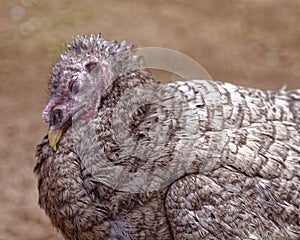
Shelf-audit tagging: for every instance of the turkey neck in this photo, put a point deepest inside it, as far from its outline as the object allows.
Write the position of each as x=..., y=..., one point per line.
x=76, y=200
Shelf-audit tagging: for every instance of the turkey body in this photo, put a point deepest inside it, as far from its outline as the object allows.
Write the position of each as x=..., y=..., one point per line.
x=242, y=185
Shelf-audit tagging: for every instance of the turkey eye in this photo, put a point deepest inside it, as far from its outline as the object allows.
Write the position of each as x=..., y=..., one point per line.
x=91, y=66
x=74, y=86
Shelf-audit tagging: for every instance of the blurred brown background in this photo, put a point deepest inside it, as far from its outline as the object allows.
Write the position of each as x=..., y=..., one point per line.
x=253, y=43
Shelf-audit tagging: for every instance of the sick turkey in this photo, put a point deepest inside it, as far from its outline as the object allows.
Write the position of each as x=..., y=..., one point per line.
x=129, y=158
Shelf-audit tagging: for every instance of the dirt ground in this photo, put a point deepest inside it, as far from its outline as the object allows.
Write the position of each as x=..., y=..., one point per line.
x=253, y=43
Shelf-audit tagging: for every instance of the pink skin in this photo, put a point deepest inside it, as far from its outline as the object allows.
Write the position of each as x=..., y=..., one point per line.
x=53, y=104
x=67, y=108
x=105, y=87
x=48, y=109
x=66, y=101
x=86, y=117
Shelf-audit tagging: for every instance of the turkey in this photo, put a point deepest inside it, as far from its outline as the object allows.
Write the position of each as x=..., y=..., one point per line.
x=126, y=157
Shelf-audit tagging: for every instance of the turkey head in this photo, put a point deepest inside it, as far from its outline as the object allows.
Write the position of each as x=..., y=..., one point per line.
x=82, y=78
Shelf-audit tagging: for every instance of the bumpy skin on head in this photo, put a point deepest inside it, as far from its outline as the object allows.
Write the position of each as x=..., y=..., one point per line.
x=244, y=186
x=85, y=75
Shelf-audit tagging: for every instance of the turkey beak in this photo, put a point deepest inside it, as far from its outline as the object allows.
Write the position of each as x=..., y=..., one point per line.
x=57, y=127
x=54, y=135
x=55, y=131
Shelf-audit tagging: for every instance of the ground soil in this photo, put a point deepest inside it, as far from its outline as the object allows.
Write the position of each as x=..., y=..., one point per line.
x=252, y=43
